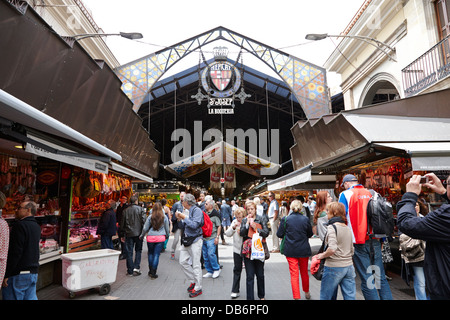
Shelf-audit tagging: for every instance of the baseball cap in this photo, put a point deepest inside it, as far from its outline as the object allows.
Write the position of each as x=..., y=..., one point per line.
x=348, y=177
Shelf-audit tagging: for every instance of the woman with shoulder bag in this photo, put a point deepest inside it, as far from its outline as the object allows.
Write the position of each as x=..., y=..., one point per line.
x=338, y=269
x=157, y=226
x=251, y=224
x=296, y=229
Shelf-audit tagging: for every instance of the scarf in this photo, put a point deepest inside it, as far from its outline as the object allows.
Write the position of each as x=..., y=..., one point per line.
x=336, y=219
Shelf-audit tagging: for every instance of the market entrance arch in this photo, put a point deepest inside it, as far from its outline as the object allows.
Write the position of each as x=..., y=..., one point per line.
x=298, y=91
x=306, y=80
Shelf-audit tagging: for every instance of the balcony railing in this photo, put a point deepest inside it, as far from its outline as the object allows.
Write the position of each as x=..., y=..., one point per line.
x=428, y=69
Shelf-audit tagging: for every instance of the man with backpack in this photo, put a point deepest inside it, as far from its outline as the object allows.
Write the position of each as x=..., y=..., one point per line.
x=210, y=243
x=367, y=257
x=434, y=228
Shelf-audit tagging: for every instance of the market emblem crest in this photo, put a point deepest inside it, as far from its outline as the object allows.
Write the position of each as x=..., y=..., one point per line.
x=220, y=80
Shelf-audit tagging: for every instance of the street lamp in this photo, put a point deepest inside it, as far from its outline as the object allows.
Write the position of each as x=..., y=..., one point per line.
x=374, y=42
x=128, y=35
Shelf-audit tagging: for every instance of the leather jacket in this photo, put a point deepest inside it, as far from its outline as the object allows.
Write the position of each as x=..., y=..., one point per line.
x=262, y=220
x=133, y=220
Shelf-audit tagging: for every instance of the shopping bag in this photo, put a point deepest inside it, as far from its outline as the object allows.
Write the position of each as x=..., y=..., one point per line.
x=257, y=248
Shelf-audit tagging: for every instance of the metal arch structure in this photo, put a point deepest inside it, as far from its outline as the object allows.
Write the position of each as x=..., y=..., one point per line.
x=306, y=80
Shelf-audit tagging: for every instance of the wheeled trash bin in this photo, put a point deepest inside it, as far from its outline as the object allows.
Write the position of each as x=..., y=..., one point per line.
x=89, y=269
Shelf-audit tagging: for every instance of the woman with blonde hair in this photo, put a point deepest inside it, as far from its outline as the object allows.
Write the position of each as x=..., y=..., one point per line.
x=296, y=229
x=259, y=207
x=338, y=269
x=157, y=226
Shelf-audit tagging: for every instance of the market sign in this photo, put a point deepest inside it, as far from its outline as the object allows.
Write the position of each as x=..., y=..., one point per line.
x=220, y=80
x=89, y=164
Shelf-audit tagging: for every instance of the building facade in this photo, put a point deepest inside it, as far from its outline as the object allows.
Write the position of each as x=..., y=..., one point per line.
x=72, y=17
x=410, y=58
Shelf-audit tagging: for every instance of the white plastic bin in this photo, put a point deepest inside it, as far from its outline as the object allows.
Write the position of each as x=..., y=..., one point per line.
x=89, y=269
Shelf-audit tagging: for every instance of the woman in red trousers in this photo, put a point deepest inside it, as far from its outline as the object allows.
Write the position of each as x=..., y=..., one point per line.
x=297, y=230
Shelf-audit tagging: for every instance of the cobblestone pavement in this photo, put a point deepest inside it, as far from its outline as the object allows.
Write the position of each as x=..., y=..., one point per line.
x=171, y=283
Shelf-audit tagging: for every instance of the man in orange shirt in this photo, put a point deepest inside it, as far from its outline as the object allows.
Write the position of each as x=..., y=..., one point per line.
x=355, y=198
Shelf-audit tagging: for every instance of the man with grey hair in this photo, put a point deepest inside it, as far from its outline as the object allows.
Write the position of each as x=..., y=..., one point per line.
x=191, y=244
x=107, y=226
x=210, y=243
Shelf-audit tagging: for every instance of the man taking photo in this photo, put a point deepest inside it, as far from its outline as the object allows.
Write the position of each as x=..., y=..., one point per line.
x=434, y=228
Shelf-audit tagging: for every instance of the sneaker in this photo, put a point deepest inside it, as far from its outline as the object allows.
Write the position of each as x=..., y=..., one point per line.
x=208, y=275
x=195, y=293
x=234, y=295
x=136, y=272
x=216, y=274
x=191, y=287
x=129, y=274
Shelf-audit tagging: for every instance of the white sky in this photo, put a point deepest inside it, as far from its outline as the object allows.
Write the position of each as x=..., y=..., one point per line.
x=276, y=23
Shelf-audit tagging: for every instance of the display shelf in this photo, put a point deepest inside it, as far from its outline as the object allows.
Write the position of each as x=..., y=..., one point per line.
x=50, y=256
x=82, y=245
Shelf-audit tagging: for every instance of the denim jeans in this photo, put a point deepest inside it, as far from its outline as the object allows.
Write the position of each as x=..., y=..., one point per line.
x=133, y=244
x=154, y=250
x=21, y=287
x=374, y=285
x=333, y=277
x=209, y=256
x=419, y=284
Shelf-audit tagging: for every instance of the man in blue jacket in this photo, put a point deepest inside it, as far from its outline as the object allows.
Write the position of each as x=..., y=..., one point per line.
x=107, y=226
x=190, y=253
x=434, y=228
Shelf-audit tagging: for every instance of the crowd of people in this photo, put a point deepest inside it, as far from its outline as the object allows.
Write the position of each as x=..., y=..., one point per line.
x=342, y=225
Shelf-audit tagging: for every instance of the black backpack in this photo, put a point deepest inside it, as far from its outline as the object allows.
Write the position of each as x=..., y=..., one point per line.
x=380, y=216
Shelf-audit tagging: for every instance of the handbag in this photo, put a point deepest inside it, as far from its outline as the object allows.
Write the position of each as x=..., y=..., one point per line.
x=247, y=248
x=317, y=271
x=266, y=250
x=187, y=240
x=284, y=238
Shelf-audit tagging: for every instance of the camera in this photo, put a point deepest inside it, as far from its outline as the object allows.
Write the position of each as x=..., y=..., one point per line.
x=424, y=179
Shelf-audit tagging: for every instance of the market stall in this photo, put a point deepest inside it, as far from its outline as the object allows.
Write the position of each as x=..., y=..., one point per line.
x=383, y=145
x=90, y=193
